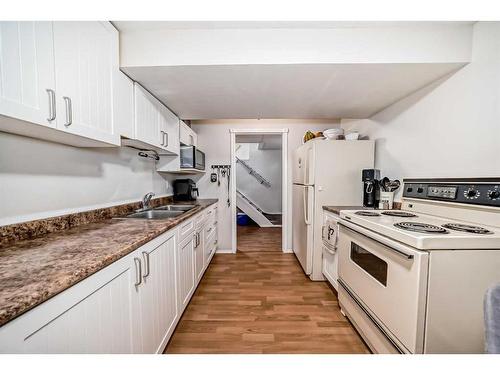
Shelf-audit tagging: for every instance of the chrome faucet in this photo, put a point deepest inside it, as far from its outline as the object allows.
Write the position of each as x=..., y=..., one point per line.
x=146, y=200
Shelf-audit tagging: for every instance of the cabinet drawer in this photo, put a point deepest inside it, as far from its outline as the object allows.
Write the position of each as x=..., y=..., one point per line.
x=210, y=230
x=200, y=219
x=186, y=229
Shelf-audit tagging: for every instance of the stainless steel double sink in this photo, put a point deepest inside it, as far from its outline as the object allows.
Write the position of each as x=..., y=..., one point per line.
x=163, y=212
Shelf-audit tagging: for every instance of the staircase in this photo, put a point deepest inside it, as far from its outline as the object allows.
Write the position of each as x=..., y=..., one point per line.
x=253, y=211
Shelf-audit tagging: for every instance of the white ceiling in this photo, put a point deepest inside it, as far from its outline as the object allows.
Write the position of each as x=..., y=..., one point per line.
x=128, y=26
x=285, y=90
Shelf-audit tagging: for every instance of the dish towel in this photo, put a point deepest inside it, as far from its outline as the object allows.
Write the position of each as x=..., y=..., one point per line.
x=492, y=319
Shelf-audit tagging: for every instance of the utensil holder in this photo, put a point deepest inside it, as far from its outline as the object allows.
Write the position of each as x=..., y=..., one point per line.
x=386, y=200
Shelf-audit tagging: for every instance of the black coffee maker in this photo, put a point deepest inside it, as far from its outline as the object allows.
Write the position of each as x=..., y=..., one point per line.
x=185, y=190
x=371, y=194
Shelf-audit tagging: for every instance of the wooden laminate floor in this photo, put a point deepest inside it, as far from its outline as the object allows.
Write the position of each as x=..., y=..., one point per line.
x=254, y=238
x=261, y=302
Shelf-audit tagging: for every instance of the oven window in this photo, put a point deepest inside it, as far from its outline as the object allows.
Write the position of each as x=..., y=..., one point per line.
x=370, y=263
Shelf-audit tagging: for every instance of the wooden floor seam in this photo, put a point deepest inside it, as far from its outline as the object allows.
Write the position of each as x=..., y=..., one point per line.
x=262, y=302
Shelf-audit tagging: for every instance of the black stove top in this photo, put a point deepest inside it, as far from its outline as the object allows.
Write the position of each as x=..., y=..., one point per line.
x=420, y=227
x=398, y=213
x=467, y=228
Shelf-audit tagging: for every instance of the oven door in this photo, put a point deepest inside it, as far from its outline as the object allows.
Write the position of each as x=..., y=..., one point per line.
x=388, y=279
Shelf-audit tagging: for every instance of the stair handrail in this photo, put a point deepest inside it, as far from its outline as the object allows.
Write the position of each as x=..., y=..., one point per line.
x=254, y=173
x=253, y=204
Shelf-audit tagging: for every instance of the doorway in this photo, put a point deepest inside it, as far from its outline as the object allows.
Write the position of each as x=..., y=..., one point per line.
x=259, y=190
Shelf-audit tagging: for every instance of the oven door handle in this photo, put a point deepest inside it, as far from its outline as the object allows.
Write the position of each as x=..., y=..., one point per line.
x=392, y=245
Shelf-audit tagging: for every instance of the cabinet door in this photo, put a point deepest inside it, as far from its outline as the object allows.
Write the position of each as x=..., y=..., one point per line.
x=171, y=127
x=187, y=136
x=199, y=255
x=123, y=105
x=157, y=297
x=93, y=316
x=86, y=57
x=148, y=125
x=27, y=72
x=186, y=270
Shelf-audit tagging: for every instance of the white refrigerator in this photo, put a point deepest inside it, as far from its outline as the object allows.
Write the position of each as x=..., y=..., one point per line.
x=325, y=173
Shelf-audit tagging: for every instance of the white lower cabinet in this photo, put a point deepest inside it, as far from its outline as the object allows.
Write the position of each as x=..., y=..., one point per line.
x=93, y=316
x=155, y=295
x=130, y=306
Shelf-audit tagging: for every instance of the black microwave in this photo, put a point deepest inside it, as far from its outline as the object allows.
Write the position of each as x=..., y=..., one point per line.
x=192, y=158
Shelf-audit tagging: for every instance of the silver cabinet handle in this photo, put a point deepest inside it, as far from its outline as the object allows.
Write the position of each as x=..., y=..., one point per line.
x=145, y=255
x=199, y=238
x=195, y=238
x=215, y=222
x=69, y=111
x=138, y=272
x=162, y=137
x=209, y=230
x=166, y=139
x=52, y=104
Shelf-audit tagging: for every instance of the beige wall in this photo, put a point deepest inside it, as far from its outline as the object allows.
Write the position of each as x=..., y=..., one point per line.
x=41, y=179
x=448, y=129
x=214, y=140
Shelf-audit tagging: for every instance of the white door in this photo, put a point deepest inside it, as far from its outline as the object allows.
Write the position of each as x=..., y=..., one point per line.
x=186, y=270
x=27, y=75
x=303, y=164
x=86, y=55
x=303, y=199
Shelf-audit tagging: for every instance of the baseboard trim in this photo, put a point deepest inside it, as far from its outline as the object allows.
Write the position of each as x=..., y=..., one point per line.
x=224, y=251
x=288, y=251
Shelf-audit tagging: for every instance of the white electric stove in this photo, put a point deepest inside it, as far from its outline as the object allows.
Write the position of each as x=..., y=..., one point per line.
x=413, y=280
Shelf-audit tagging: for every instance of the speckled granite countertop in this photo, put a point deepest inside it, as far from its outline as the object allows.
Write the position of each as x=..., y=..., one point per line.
x=34, y=270
x=337, y=209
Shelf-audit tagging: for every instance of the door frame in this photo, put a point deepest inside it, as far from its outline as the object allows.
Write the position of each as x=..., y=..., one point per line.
x=284, y=182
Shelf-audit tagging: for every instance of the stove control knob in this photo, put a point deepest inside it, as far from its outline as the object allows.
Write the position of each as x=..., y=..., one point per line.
x=493, y=194
x=471, y=193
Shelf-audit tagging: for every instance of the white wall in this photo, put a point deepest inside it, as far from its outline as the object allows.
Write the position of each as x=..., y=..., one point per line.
x=214, y=139
x=406, y=42
x=40, y=179
x=268, y=164
x=448, y=129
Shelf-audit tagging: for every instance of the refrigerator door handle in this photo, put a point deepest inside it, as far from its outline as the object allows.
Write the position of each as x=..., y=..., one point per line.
x=307, y=219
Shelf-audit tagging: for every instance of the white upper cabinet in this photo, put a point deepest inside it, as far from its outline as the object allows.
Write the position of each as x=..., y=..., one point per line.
x=172, y=130
x=27, y=78
x=59, y=76
x=187, y=135
x=86, y=58
x=156, y=126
